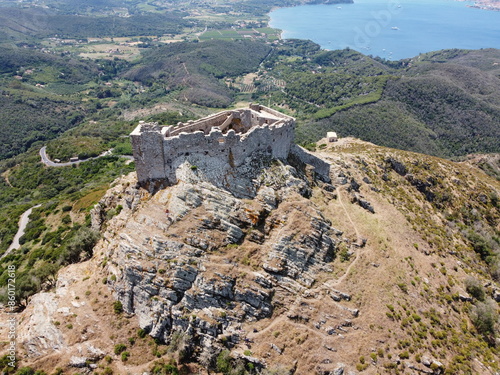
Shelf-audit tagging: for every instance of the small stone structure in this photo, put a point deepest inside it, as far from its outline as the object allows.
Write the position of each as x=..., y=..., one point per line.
x=332, y=137
x=217, y=145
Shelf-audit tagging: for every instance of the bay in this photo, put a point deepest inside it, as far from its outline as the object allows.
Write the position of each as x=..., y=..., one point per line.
x=393, y=29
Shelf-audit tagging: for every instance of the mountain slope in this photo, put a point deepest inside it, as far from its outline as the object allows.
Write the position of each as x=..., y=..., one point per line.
x=197, y=69
x=380, y=272
x=448, y=101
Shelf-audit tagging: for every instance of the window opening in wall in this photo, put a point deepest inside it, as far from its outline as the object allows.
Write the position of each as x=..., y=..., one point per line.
x=187, y=154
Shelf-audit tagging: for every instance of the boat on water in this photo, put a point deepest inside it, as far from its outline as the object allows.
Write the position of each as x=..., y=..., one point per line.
x=395, y=28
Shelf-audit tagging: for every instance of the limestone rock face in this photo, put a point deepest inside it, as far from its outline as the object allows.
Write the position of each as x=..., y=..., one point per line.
x=38, y=334
x=176, y=259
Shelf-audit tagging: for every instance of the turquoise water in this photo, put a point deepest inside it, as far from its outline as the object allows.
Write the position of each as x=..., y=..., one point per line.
x=393, y=29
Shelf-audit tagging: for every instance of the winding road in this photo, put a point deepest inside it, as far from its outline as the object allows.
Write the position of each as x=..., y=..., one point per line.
x=23, y=221
x=50, y=163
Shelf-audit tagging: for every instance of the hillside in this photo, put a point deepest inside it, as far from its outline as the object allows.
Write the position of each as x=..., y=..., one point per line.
x=391, y=268
x=35, y=23
x=448, y=104
x=196, y=70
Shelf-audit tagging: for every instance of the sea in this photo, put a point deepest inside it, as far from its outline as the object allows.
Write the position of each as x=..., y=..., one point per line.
x=391, y=29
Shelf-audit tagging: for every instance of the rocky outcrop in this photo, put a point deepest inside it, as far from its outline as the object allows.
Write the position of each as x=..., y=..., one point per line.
x=39, y=335
x=196, y=259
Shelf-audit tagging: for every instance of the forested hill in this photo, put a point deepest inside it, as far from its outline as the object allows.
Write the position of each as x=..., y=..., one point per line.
x=41, y=23
x=437, y=103
x=196, y=69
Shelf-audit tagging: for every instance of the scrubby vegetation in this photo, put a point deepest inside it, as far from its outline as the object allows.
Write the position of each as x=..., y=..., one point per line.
x=445, y=103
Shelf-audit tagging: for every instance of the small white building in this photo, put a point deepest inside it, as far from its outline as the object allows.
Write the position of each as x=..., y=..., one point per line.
x=332, y=137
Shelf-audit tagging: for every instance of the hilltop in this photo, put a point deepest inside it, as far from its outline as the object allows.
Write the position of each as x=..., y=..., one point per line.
x=391, y=267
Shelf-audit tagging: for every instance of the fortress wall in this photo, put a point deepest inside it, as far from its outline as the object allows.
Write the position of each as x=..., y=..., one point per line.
x=321, y=167
x=148, y=153
x=160, y=151
x=272, y=112
x=227, y=122
x=204, y=125
x=231, y=148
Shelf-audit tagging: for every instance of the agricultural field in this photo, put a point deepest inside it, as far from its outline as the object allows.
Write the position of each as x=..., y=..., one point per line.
x=266, y=33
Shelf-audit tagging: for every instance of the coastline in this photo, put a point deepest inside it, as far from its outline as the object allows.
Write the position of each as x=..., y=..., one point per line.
x=484, y=5
x=384, y=42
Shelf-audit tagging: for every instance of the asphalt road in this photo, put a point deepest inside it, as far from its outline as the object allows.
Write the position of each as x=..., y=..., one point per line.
x=50, y=163
x=23, y=221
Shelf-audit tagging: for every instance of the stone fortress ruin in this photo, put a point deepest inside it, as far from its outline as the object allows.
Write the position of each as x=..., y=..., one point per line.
x=217, y=145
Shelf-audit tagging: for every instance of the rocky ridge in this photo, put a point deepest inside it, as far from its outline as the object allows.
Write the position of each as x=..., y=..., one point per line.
x=167, y=261
x=366, y=272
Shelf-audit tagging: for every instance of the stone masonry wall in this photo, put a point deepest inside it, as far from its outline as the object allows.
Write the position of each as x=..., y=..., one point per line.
x=159, y=154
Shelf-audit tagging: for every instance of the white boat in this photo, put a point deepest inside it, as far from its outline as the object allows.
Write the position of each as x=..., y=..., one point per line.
x=395, y=28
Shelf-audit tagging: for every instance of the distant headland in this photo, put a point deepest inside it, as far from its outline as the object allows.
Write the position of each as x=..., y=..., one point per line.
x=486, y=4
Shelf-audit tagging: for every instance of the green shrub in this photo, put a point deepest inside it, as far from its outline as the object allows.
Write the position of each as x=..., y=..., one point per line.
x=120, y=348
x=310, y=146
x=345, y=256
x=474, y=288
x=171, y=369
x=81, y=245
x=404, y=355
x=224, y=362
x=125, y=356
x=141, y=333
x=25, y=371
x=403, y=287
x=484, y=317
x=118, y=307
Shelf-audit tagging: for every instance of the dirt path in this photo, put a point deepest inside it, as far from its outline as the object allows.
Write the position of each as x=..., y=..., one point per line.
x=23, y=221
x=326, y=286
x=5, y=175
x=339, y=196
x=358, y=253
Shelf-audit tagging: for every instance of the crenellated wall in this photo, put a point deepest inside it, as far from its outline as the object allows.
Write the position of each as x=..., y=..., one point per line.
x=216, y=144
